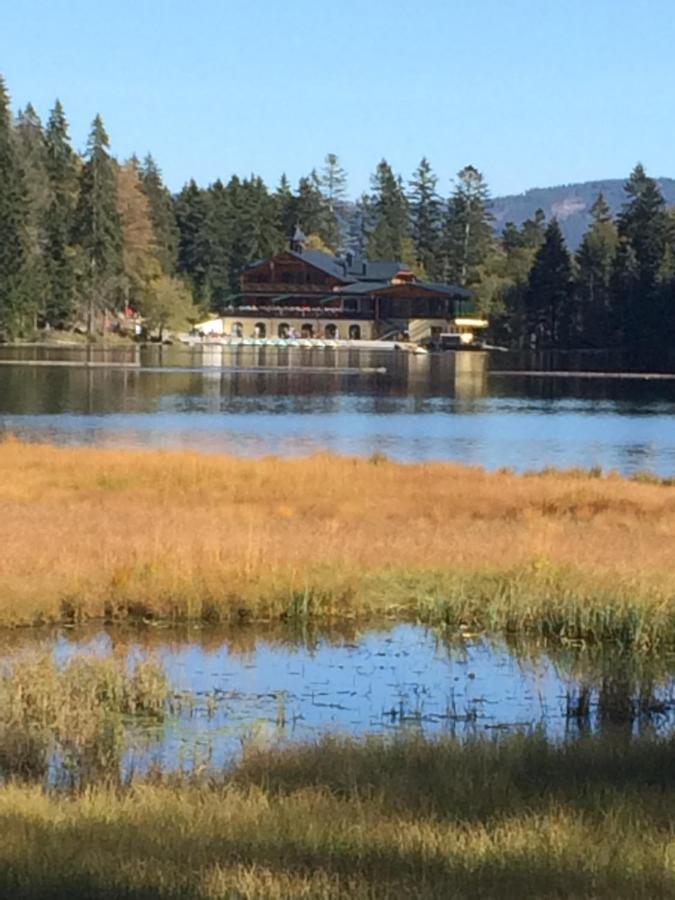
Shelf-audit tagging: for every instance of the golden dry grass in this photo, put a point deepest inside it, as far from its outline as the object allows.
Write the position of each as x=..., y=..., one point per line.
x=410, y=818
x=91, y=533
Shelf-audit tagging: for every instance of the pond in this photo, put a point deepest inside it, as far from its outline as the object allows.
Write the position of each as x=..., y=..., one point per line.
x=248, y=686
x=467, y=407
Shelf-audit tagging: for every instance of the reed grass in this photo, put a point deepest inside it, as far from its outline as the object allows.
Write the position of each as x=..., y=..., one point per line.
x=171, y=536
x=67, y=724
x=515, y=817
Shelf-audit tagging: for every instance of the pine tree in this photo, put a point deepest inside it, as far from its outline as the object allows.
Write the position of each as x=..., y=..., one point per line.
x=59, y=220
x=98, y=228
x=15, y=303
x=219, y=226
x=468, y=228
x=595, y=259
x=286, y=211
x=162, y=213
x=549, y=292
x=534, y=229
x=388, y=208
x=192, y=215
x=311, y=206
x=643, y=238
x=425, y=210
x=333, y=182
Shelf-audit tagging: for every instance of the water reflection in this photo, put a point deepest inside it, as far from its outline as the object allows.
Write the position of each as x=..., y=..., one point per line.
x=275, y=684
x=443, y=406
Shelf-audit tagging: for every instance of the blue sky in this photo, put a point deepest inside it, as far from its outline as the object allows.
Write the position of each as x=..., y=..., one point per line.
x=532, y=93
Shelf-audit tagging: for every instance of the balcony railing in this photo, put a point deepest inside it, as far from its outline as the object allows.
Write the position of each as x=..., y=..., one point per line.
x=295, y=312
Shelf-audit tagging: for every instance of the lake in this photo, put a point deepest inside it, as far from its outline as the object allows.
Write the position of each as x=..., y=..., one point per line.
x=466, y=407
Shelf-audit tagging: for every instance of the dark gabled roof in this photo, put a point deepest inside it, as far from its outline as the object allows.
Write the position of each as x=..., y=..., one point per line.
x=376, y=270
x=325, y=262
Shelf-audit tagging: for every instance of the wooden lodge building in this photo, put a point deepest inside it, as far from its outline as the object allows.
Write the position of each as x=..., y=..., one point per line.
x=306, y=293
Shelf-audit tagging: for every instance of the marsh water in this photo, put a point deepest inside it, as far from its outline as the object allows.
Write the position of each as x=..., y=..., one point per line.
x=468, y=407
x=270, y=686
x=231, y=688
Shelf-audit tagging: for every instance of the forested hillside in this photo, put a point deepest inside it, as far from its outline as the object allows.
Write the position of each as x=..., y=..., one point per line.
x=571, y=204
x=85, y=236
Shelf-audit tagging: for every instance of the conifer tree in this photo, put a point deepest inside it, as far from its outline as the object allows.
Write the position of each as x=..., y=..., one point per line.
x=219, y=226
x=98, y=228
x=286, y=211
x=15, y=303
x=311, y=206
x=549, y=291
x=468, y=228
x=534, y=229
x=595, y=259
x=162, y=213
x=192, y=216
x=31, y=148
x=643, y=227
x=388, y=208
x=333, y=181
x=59, y=220
x=425, y=211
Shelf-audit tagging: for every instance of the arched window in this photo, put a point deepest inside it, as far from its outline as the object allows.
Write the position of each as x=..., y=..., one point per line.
x=331, y=331
x=283, y=330
x=307, y=330
x=354, y=332
x=260, y=330
x=237, y=330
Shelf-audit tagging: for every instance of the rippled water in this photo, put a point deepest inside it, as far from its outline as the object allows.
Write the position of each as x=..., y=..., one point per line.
x=275, y=686
x=253, y=401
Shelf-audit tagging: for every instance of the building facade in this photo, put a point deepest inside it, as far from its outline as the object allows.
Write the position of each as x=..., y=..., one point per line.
x=306, y=293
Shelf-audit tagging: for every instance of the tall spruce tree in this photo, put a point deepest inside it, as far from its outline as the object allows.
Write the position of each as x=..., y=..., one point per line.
x=59, y=220
x=643, y=227
x=388, y=209
x=595, y=324
x=549, y=295
x=219, y=224
x=426, y=216
x=468, y=228
x=333, y=183
x=286, y=204
x=310, y=206
x=15, y=303
x=30, y=141
x=162, y=213
x=98, y=227
x=192, y=219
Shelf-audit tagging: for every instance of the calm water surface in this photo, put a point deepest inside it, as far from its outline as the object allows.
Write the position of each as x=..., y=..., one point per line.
x=275, y=686
x=256, y=401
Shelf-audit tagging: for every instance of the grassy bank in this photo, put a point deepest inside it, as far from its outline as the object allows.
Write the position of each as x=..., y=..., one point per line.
x=116, y=534
x=510, y=818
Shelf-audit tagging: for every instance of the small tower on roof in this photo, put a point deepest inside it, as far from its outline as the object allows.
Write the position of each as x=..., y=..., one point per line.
x=297, y=242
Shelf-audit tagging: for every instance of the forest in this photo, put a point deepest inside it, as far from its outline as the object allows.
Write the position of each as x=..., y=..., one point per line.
x=84, y=235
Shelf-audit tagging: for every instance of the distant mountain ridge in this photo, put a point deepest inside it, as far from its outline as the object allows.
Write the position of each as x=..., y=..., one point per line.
x=569, y=203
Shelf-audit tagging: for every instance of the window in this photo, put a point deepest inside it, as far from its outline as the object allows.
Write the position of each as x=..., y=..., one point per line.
x=283, y=330
x=237, y=330
x=260, y=330
x=331, y=331
x=307, y=330
x=354, y=332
